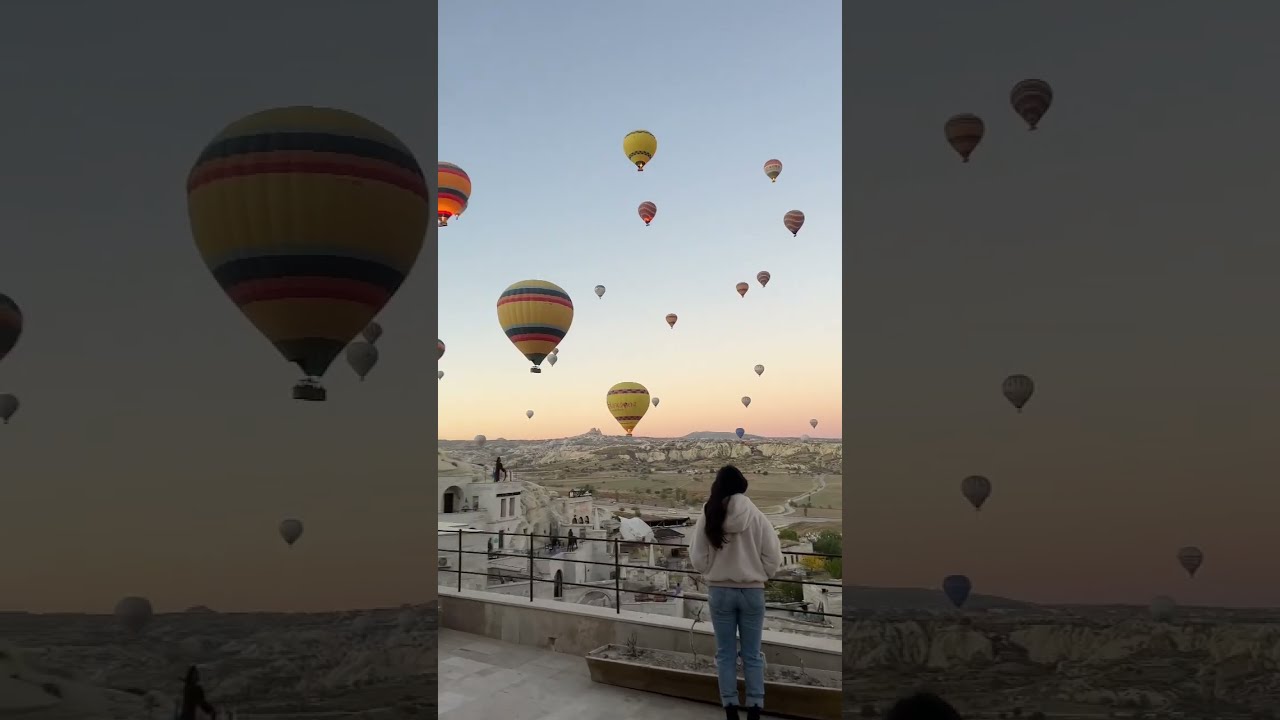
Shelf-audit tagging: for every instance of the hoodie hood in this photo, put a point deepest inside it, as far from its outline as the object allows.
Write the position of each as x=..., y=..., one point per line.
x=738, y=514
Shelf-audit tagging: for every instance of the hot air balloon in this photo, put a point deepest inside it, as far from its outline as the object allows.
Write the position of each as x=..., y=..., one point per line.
x=10, y=324
x=8, y=406
x=290, y=530
x=964, y=132
x=133, y=613
x=772, y=169
x=535, y=315
x=528, y=414
x=372, y=332
x=976, y=489
x=957, y=588
x=439, y=348
x=759, y=370
x=439, y=374
x=1031, y=99
x=763, y=277
x=362, y=356
x=655, y=402
x=804, y=438
x=640, y=147
x=647, y=211
x=671, y=320
x=793, y=220
x=746, y=401
x=1190, y=558
x=1163, y=608
x=480, y=440
x=627, y=402
x=309, y=219
x=813, y=423
x=455, y=192
x=553, y=359
x=555, y=351
x=742, y=289
x=739, y=432
x=600, y=291
x=1018, y=389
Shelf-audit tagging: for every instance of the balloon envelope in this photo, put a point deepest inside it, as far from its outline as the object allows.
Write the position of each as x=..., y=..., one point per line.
x=455, y=192
x=372, y=332
x=480, y=440
x=793, y=220
x=763, y=277
x=963, y=133
x=553, y=358
x=535, y=315
x=362, y=356
x=1018, y=389
x=957, y=588
x=133, y=613
x=656, y=401
x=740, y=432
x=627, y=403
x=1031, y=99
x=640, y=147
x=1190, y=558
x=599, y=291
x=1163, y=608
x=976, y=489
x=746, y=401
x=772, y=169
x=290, y=530
x=528, y=414
x=813, y=423
x=759, y=370
x=10, y=324
x=742, y=289
x=8, y=406
x=671, y=320
x=647, y=211
x=439, y=374
x=439, y=348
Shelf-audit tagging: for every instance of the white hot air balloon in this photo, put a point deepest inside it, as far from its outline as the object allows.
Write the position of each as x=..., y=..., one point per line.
x=8, y=407
x=362, y=356
x=290, y=530
x=133, y=613
x=553, y=358
x=599, y=291
x=480, y=440
x=759, y=369
x=746, y=401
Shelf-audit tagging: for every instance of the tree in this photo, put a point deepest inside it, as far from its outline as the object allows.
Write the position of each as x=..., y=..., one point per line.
x=814, y=564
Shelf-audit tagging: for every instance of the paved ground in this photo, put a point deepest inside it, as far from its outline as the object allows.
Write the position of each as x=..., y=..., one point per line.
x=484, y=679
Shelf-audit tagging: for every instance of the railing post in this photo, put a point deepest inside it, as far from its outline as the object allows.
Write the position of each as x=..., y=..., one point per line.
x=459, y=559
x=617, y=578
x=530, y=567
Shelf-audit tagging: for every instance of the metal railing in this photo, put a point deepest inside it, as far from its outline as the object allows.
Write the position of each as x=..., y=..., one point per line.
x=553, y=550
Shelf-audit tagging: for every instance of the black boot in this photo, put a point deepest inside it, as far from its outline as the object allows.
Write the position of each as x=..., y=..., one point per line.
x=730, y=712
x=753, y=712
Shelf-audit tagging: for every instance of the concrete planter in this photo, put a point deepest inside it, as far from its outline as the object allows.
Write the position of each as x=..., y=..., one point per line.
x=674, y=674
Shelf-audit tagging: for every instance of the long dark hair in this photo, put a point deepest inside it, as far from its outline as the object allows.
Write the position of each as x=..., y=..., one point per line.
x=922, y=706
x=729, y=482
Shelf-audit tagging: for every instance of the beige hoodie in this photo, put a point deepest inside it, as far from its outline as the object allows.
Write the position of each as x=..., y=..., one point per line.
x=751, y=553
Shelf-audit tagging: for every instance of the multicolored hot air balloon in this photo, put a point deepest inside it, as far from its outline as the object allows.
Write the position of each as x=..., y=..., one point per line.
x=763, y=278
x=813, y=423
x=671, y=320
x=746, y=401
x=772, y=169
x=957, y=589
x=535, y=315
x=759, y=370
x=290, y=530
x=10, y=324
x=439, y=348
x=1018, y=389
x=793, y=220
x=8, y=406
x=1031, y=99
x=640, y=147
x=455, y=192
x=362, y=356
x=627, y=402
x=964, y=132
x=309, y=219
x=976, y=489
x=656, y=401
x=648, y=211
x=1190, y=558
x=599, y=291
x=742, y=289
x=740, y=432
x=372, y=333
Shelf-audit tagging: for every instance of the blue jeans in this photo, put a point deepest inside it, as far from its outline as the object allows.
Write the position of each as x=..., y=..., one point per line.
x=738, y=613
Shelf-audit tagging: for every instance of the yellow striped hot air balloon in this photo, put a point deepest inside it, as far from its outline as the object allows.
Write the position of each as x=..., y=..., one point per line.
x=535, y=315
x=640, y=147
x=628, y=402
x=309, y=219
x=455, y=192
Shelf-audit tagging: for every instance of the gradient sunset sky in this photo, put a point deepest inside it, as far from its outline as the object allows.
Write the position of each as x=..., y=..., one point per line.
x=1125, y=256
x=534, y=103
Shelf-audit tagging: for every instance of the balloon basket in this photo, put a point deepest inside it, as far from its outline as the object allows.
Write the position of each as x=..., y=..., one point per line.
x=309, y=391
x=535, y=370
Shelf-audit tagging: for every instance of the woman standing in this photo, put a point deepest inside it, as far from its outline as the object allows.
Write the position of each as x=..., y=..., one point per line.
x=736, y=550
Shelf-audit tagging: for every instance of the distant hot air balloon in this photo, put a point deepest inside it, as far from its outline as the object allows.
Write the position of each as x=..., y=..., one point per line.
x=957, y=588
x=535, y=315
x=976, y=489
x=1031, y=99
x=640, y=147
x=10, y=324
x=804, y=438
x=455, y=192
x=627, y=402
x=480, y=440
x=528, y=414
x=763, y=277
x=439, y=374
x=290, y=530
x=759, y=370
x=746, y=401
x=655, y=402
x=1018, y=389
x=793, y=220
x=555, y=351
x=8, y=406
x=1163, y=608
x=439, y=348
x=742, y=289
x=740, y=432
x=600, y=291
x=671, y=320
x=1190, y=558
x=133, y=613
x=964, y=132
x=648, y=211
x=813, y=423
x=553, y=359
x=362, y=356
x=309, y=219
x=772, y=169
x=372, y=332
